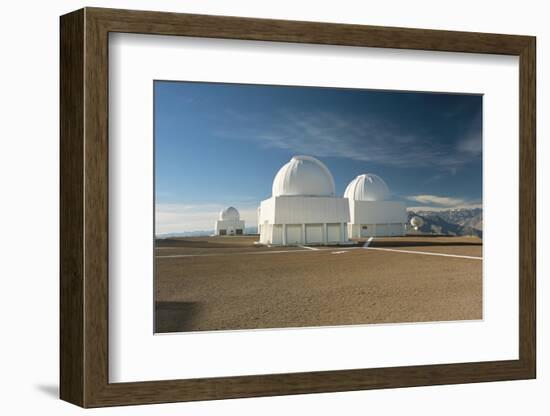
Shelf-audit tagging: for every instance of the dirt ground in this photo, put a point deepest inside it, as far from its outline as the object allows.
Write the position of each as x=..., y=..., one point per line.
x=228, y=283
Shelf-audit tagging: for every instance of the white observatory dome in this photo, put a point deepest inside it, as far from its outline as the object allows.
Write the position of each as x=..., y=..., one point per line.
x=367, y=187
x=303, y=175
x=417, y=222
x=229, y=214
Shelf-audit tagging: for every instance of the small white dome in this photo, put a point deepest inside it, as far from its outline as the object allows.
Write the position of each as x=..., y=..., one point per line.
x=417, y=222
x=229, y=214
x=303, y=175
x=367, y=187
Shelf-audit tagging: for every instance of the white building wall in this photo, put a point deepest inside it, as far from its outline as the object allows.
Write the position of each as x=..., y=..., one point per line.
x=377, y=212
x=315, y=234
x=229, y=225
x=277, y=234
x=304, y=210
x=294, y=234
x=376, y=219
x=333, y=233
x=290, y=220
x=397, y=229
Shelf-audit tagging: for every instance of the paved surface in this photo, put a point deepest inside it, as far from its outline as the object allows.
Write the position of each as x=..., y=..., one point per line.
x=229, y=283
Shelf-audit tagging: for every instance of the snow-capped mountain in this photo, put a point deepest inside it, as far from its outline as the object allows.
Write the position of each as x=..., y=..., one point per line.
x=461, y=221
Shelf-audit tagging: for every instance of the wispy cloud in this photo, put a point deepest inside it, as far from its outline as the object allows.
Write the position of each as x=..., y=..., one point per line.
x=471, y=144
x=172, y=218
x=361, y=138
x=435, y=202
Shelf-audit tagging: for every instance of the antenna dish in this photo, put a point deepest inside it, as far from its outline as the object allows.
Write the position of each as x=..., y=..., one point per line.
x=417, y=222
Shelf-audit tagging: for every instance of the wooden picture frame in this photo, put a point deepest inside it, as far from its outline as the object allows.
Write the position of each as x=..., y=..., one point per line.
x=84, y=207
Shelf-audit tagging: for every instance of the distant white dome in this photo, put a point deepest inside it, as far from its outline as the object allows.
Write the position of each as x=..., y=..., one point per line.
x=367, y=187
x=229, y=214
x=417, y=222
x=303, y=175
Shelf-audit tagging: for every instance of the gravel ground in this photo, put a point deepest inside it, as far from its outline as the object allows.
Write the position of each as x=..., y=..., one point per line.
x=225, y=283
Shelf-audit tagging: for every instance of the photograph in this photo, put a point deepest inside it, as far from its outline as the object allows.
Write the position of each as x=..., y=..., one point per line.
x=283, y=206
x=286, y=206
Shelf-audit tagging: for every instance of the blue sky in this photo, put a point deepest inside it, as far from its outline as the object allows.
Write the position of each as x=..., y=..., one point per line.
x=221, y=144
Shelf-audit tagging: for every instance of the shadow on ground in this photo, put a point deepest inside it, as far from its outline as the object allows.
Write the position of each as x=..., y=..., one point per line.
x=176, y=316
x=51, y=390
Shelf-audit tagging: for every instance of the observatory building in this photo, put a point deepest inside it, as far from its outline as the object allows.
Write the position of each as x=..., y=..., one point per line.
x=229, y=222
x=371, y=214
x=303, y=208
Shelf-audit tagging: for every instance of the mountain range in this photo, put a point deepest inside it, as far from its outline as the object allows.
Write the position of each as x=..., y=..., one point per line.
x=202, y=233
x=457, y=221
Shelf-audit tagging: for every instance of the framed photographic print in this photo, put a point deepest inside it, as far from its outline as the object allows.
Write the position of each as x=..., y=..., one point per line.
x=255, y=207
